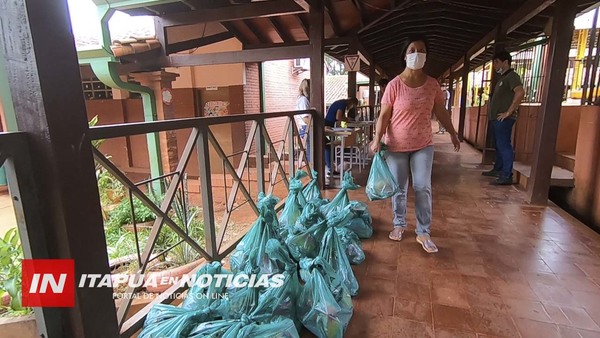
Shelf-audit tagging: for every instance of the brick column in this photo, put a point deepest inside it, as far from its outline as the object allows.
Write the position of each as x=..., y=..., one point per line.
x=161, y=83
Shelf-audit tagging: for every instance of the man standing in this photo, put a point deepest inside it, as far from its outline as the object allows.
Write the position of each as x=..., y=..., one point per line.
x=502, y=113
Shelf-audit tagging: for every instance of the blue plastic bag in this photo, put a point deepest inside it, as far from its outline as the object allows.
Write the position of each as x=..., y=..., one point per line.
x=245, y=327
x=332, y=251
x=165, y=320
x=380, y=184
x=341, y=200
x=304, y=239
x=324, y=306
x=312, y=191
x=352, y=245
x=293, y=204
x=251, y=249
x=200, y=297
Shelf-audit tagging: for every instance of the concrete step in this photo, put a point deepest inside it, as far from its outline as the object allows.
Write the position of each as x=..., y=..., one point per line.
x=560, y=176
x=566, y=161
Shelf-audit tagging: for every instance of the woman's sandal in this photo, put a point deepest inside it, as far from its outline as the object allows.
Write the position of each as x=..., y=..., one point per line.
x=398, y=236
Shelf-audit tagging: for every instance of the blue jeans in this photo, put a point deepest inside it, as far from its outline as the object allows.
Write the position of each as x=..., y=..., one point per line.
x=419, y=164
x=505, y=154
x=302, y=132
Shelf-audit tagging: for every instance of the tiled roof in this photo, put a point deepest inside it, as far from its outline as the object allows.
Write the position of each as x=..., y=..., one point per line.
x=134, y=45
x=336, y=88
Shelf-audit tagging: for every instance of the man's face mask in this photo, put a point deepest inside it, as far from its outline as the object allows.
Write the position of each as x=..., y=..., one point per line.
x=416, y=60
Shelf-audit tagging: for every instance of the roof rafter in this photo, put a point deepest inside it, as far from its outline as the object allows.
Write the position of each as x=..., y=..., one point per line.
x=232, y=13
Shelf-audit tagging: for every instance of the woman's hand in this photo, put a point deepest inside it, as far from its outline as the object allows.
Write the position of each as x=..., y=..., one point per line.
x=374, y=146
x=455, y=141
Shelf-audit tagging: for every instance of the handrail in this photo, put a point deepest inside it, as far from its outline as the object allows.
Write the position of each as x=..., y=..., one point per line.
x=129, y=129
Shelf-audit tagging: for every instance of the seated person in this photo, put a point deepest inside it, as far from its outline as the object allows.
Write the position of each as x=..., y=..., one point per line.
x=337, y=112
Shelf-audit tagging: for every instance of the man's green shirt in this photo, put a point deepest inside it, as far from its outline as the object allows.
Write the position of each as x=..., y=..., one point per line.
x=504, y=94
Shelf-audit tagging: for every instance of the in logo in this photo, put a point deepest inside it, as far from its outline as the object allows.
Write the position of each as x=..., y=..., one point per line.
x=48, y=283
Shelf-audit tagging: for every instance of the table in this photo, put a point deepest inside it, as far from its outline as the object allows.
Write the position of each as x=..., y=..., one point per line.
x=365, y=126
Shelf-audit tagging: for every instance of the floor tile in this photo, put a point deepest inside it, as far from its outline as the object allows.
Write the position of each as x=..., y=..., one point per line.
x=447, y=333
x=450, y=296
x=532, y=329
x=528, y=310
x=413, y=310
x=448, y=317
x=504, y=269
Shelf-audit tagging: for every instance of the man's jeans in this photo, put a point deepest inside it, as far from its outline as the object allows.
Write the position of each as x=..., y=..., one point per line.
x=418, y=164
x=505, y=154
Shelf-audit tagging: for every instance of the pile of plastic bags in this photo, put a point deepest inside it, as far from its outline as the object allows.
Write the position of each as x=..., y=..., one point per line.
x=311, y=244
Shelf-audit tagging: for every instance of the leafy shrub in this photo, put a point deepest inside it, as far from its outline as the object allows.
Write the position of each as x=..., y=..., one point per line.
x=11, y=255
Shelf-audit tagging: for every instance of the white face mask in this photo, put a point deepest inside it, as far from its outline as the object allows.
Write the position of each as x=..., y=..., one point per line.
x=416, y=60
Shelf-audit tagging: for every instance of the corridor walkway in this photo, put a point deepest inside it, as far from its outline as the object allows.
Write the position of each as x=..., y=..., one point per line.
x=504, y=269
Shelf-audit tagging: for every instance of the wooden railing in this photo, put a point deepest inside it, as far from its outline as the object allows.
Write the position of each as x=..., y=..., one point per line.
x=201, y=139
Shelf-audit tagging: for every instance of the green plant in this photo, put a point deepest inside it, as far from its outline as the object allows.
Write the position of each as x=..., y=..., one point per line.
x=11, y=255
x=184, y=253
x=120, y=242
x=91, y=123
x=186, y=218
x=111, y=190
x=122, y=213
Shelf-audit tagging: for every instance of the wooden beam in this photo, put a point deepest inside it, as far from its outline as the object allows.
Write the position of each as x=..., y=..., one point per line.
x=434, y=16
x=335, y=20
x=527, y=11
x=232, y=13
x=544, y=149
x=281, y=31
x=195, y=43
x=361, y=12
x=243, y=56
x=329, y=43
x=304, y=4
x=352, y=75
x=161, y=34
x=372, y=75
x=44, y=78
x=259, y=33
x=463, y=101
x=230, y=27
x=303, y=20
x=317, y=93
x=395, y=9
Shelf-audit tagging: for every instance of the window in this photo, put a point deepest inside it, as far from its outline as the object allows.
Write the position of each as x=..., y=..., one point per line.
x=93, y=89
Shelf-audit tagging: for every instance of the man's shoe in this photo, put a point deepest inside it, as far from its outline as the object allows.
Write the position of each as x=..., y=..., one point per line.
x=491, y=173
x=502, y=181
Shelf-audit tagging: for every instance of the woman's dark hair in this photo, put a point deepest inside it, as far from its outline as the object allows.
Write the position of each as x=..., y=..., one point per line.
x=413, y=38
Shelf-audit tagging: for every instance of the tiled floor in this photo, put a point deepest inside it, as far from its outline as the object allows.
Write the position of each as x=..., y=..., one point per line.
x=504, y=269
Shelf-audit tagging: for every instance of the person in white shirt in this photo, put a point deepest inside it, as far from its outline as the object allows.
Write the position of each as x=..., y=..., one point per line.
x=446, y=93
x=303, y=103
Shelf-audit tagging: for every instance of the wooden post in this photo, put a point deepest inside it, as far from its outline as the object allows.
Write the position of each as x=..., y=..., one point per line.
x=463, y=99
x=588, y=63
x=489, y=150
x=45, y=84
x=317, y=94
x=452, y=93
x=372, y=74
x=538, y=185
x=352, y=75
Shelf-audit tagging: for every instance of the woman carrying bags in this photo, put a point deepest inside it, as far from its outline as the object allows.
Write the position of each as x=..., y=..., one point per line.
x=405, y=119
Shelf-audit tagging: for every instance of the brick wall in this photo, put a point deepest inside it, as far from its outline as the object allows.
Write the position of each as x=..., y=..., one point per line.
x=281, y=92
x=251, y=92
